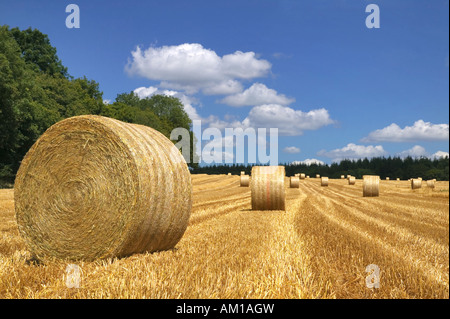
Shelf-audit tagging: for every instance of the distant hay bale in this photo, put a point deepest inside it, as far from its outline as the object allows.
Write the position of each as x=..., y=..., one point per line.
x=371, y=186
x=307, y=176
x=267, y=188
x=348, y=176
x=242, y=173
x=294, y=182
x=245, y=181
x=430, y=183
x=419, y=178
x=302, y=176
x=317, y=175
x=387, y=178
x=324, y=181
x=93, y=187
x=398, y=178
x=342, y=176
x=416, y=183
x=229, y=174
x=351, y=180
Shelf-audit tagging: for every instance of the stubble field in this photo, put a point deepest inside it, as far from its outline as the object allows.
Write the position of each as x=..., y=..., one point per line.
x=318, y=248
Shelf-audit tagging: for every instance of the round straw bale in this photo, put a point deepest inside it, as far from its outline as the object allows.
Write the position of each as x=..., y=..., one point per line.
x=416, y=183
x=302, y=176
x=342, y=176
x=267, y=188
x=229, y=174
x=351, y=180
x=317, y=175
x=307, y=176
x=297, y=175
x=294, y=182
x=242, y=173
x=430, y=183
x=245, y=181
x=324, y=181
x=398, y=178
x=93, y=187
x=419, y=178
x=387, y=178
x=348, y=176
x=371, y=186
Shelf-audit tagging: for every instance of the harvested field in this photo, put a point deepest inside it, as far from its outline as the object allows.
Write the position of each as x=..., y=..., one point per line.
x=318, y=248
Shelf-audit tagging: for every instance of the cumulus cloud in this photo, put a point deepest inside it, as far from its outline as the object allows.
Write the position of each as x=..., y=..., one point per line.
x=439, y=154
x=257, y=94
x=352, y=151
x=291, y=150
x=144, y=92
x=290, y=122
x=415, y=151
x=191, y=67
x=420, y=131
x=308, y=161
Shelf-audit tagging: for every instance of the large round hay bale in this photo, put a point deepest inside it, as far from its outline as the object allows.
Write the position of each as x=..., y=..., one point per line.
x=267, y=187
x=303, y=176
x=371, y=186
x=324, y=181
x=294, y=182
x=430, y=183
x=93, y=187
x=416, y=183
x=245, y=181
x=351, y=180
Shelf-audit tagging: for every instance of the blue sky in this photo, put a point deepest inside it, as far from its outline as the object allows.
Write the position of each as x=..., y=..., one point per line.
x=334, y=88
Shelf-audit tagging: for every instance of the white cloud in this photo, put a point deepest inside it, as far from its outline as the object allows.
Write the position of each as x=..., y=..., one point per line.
x=191, y=67
x=308, y=161
x=415, y=151
x=291, y=150
x=420, y=131
x=257, y=94
x=144, y=92
x=353, y=151
x=289, y=122
x=439, y=154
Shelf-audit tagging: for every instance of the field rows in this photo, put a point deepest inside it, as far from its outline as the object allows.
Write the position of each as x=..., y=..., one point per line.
x=318, y=248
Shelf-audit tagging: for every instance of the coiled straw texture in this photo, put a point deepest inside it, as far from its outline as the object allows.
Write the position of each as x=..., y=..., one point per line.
x=93, y=187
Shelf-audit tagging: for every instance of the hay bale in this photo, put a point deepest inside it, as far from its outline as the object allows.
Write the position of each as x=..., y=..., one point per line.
x=351, y=180
x=242, y=173
x=419, y=178
x=294, y=182
x=387, y=178
x=307, y=176
x=229, y=174
x=430, y=183
x=416, y=183
x=348, y=176
x=371, y=186
x=317, y=175
x=267, y=187
x=398, y=178
x=245, y=181
x=302, y=176
x=324, y=181
x=342, y=176
x=93, y=187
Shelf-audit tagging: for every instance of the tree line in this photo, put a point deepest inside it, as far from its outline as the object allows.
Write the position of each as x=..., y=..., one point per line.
x=36, y=91
x=392, y=167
